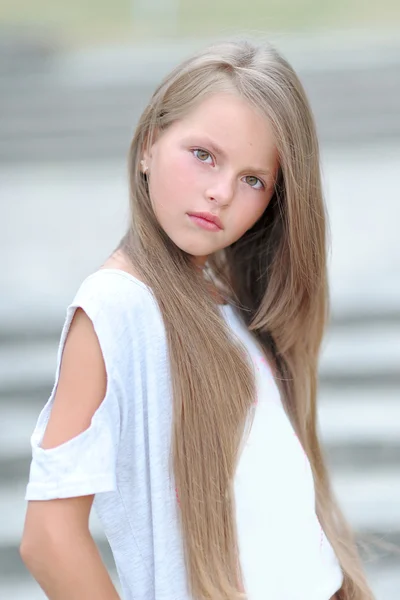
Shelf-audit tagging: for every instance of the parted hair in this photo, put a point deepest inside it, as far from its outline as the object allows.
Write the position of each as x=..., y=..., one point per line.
x=276, y=276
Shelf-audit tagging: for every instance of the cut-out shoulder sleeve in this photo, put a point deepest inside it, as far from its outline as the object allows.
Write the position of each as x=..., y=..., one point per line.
x=86, y=463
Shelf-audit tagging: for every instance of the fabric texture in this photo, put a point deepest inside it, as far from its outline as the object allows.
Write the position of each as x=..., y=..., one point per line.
x=124, y=459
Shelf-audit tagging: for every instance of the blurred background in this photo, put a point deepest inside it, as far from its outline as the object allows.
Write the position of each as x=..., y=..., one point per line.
x=73, y=79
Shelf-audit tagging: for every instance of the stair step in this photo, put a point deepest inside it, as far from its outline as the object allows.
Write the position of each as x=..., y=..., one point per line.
x=352, y=104
x=385, y=583
x=370, y=500
x=350, y=457
x=358, y=428
x=349, y=353
x=355, y=417
x=13, y=505
x=353, y=456
x=362, y=348
x=359, y=416
x=40, y=285
x=31, y=364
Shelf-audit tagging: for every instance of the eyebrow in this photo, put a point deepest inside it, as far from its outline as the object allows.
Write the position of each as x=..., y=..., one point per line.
x=218, y=150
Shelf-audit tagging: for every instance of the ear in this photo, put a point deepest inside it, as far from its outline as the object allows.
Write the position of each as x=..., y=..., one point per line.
x=146, y=159
x=148, y=146
x=144, y=167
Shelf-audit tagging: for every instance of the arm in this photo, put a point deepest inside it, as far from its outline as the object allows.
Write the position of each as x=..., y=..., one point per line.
x=60, y=553
x=57, y=546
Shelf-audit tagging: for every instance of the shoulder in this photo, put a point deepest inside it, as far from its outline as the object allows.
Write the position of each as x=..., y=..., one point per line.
x=121, y=308
x=115, y=289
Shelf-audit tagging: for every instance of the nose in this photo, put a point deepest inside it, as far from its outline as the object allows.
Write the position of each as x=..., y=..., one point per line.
x=222, y=190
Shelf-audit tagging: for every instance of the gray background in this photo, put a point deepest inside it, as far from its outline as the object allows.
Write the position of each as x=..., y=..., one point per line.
x=66, y=119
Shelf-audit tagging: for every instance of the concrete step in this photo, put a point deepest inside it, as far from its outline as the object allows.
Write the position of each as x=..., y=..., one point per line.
x=359, y=415
x=368, y=353
x=18, y=328
x=361, y=348
x=360, y=434
x=40, y=282
x=72, y=114
x=371, y=502
x=370, y=499
x=385, y=583
x=13, y=505
x=359, y=455
x=350, y=354
x=91, y=146
x=360, y=429
x=320, y=50
x=83, y=106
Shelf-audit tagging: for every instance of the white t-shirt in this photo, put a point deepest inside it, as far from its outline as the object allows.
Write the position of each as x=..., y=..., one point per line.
x=123, y=458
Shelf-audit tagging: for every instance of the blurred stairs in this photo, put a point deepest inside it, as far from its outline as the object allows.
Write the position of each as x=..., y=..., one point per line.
x=84, y=108
x=359, y=419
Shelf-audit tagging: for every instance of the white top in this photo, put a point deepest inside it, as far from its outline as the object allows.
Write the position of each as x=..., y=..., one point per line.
x=123, y=459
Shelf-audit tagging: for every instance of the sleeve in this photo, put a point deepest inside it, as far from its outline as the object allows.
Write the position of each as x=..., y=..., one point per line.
x=87, y=463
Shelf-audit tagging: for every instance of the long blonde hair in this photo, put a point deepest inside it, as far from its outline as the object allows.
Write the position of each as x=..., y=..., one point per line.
x=276, y=276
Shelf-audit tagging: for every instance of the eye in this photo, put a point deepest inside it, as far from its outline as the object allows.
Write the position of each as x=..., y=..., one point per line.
x=202, y=155
x=252, y=181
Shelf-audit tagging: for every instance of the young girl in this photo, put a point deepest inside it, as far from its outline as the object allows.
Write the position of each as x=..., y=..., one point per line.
x=184, y=402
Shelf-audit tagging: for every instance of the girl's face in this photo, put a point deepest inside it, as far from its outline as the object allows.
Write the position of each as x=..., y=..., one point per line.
x=218, y=161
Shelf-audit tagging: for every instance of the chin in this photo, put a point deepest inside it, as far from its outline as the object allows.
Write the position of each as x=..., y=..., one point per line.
x=196, y=248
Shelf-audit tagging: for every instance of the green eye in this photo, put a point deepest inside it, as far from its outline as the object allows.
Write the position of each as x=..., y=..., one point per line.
x=252, y=181
x=202, y=154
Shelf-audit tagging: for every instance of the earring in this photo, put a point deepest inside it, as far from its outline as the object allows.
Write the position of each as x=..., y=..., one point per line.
x=144, y=166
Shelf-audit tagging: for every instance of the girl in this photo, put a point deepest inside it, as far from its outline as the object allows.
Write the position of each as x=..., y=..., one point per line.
x=184, y=402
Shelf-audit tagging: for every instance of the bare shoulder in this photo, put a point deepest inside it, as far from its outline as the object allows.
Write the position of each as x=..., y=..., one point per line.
x=80, y=391
x=119, y=260
x=82, y=383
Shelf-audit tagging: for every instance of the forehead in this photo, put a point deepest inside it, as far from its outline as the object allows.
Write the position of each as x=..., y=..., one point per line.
x=233, y=124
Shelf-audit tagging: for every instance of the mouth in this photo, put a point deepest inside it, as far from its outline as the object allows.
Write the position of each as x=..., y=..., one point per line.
x=206, y=221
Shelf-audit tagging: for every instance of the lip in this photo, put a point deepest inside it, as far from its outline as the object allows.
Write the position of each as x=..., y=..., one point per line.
x=208, y=217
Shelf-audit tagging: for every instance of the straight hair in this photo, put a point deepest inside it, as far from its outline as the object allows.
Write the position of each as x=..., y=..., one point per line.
x=276, y=276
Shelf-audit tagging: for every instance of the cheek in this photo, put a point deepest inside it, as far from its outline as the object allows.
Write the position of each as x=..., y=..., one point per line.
x=175, y=188
x=179, y=175
x=191, y=177
x=250, y=213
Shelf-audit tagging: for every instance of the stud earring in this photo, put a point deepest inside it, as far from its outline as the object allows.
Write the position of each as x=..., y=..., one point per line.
x=144, y=166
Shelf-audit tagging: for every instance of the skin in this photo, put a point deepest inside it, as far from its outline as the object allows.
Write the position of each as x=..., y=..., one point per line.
x=188, y=174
